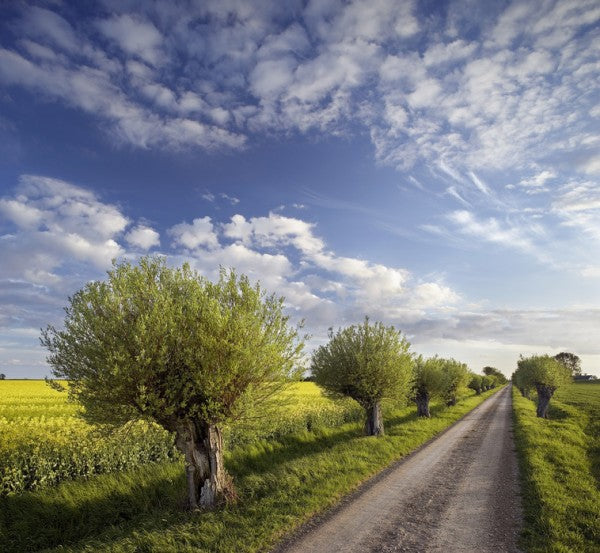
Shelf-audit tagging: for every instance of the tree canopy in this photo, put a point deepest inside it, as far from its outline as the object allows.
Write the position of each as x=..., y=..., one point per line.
x=455, y=377
x=545, y=374
x=475, y=383
x=496, y=374
x=367, y=362
x=171, y=346
x=428, y=382
x=569, y=360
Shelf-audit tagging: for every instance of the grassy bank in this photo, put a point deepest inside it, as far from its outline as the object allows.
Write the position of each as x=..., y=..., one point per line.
x=559, y=470
x=281, y=483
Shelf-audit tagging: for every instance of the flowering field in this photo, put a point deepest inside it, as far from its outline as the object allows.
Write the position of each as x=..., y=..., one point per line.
x=43, y=442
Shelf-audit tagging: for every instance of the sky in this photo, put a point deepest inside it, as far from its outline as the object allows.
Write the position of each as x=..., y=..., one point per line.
x=433, y=165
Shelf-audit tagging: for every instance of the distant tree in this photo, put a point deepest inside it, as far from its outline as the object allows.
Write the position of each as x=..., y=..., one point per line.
x=428, y=382
x=475, y=383
x=522, y=383
x=571, y=361
x=456, y=376
x=367, y=362
x=2, y=376
x=168, y=345
x=545, y=374
x=486, y=382
x=500, y=379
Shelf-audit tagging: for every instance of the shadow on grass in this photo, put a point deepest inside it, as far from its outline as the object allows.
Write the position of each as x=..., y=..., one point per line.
x=78, y=510
x=557, y=413
x=265, y=456
x=262, y=456
x=34, y=521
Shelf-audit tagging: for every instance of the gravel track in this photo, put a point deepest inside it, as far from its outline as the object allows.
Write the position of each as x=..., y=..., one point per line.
x=459, y=493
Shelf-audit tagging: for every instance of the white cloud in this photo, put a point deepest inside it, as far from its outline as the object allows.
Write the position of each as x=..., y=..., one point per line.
x=57, y=219
x=208, y=75
x=578, y=205
x=51, y=27
x=92, y=90
x=426, y=94
x=134, y=35
x=491, y=230
x=23, y=215
x=590, y=164
x=479, y=183
x=143, y=237
x=191, y=236
x=592, y=271
x=433, y=294
x=440, y=53
x=274, y=230
x=538, y=180
x=578, y=196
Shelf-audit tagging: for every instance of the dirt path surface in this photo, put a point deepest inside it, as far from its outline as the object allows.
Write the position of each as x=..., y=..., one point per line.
x=457, y=494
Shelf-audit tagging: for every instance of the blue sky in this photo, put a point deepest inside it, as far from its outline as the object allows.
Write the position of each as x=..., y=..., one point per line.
x=434, y=165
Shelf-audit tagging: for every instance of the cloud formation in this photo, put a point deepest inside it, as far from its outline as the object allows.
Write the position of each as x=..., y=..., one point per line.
x=505, y=87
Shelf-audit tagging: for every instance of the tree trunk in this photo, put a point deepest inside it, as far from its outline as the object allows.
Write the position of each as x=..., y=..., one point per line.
x=374, y=423
x=422, y=401
x=545, y=393
x=207, y=481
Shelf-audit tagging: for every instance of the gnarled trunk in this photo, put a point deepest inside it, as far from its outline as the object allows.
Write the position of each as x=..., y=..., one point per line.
x=207, y=481
x=422, y=401
x=374, y=422
x=544, y=393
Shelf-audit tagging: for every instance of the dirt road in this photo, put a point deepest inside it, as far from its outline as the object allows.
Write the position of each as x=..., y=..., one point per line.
x=457, y=494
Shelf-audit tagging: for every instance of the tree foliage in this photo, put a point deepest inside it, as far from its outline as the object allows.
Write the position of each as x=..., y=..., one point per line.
x=428, y=382
x=545, y=374
x=168, y=345
x=487, y=382
x=496, y=374
x=455, y=377
x=569, y=360
x=475, y=383
x=367, y=362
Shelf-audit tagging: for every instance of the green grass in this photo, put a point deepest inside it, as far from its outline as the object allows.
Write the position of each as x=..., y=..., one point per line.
x=281, y=483
x=559, y=471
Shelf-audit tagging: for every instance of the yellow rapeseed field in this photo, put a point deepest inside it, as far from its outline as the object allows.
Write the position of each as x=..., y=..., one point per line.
x=43, y=441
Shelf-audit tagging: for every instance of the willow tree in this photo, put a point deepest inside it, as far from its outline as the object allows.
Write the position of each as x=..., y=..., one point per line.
x=428, y=382
x=569, y=360
x=496, y=375
x=168, y=345
x=545, y=374
x=455, y=377
x=475, y=383
x=367, y=362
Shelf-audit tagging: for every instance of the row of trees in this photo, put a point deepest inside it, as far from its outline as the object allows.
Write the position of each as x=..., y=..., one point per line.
x=371, y=362
x=170, y=346
x=544, y=374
